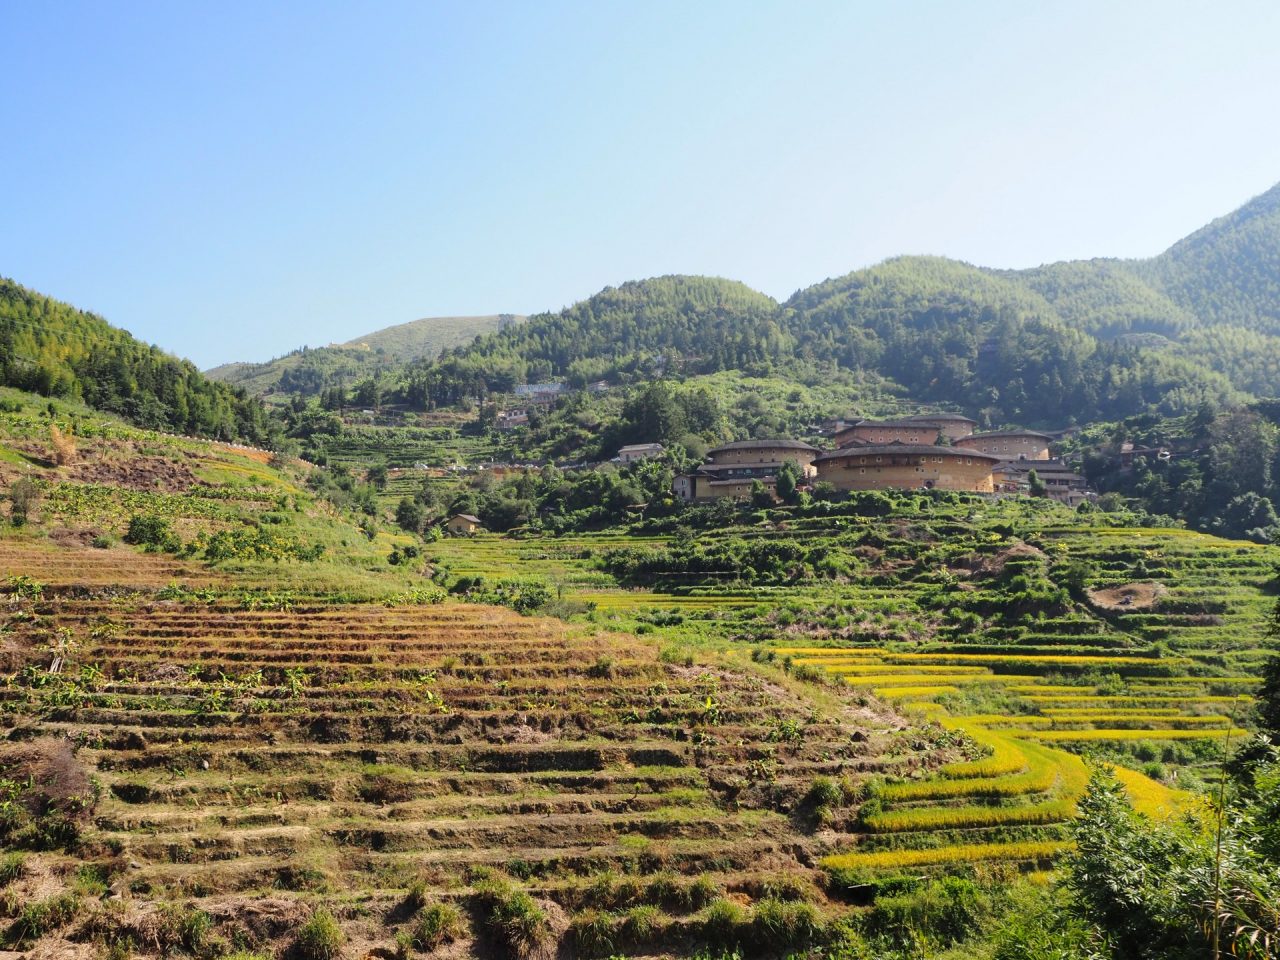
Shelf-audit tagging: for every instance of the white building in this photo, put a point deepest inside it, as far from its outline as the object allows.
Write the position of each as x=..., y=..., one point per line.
x=639, y=451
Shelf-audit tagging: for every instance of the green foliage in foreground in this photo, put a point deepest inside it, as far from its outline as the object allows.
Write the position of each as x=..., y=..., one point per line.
x=1171, y=890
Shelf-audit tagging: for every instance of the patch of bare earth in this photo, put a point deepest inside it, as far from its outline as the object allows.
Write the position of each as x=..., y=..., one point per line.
x=1140, y=595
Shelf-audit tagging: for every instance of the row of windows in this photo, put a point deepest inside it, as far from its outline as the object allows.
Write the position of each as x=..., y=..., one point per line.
x=968, y=460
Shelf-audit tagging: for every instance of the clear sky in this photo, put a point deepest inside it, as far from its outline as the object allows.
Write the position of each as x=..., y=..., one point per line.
x=233, y=180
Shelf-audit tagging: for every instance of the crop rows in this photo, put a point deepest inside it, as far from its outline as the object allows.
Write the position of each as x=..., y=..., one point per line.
x=329, y=748
x=1019, y=783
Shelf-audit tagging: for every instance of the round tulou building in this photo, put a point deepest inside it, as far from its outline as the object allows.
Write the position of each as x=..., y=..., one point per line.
x=907, y=466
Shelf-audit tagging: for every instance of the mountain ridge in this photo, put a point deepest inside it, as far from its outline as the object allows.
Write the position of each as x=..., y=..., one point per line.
x=308, y=370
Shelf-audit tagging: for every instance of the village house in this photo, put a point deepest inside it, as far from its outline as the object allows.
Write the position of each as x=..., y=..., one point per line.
x=907, y=466
x=1009, y=444
x=934, y=451
x=540, y=393
x=463, y=524
x=953, y=426
x=639, y=451
x=1061, y=482
x=732, y=469
x=1129, y=452
x=510, y=419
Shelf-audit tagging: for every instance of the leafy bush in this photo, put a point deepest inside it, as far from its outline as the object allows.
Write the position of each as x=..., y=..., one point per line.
x=593, y=933
x=724, y=923
x=23, y=495
x=185, y=928
x=252, y=543
x=152, y=532
x=643, y=924
x=12, y=867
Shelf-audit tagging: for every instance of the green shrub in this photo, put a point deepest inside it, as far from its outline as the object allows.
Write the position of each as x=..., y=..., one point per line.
x=42, y=916
x=786, y=924
x=12, y=867
x=152, y=532
x=23, y=494
x=515, y=919
x=724, y=923
x=792, y=887
x=825, y=792
x=641, y=925
x=948, y=910
x=320, y=938
x=593, y=933
x=194, y=928
x=91, y=880
x=701, y=892
x=416, y=898
x=436, y=925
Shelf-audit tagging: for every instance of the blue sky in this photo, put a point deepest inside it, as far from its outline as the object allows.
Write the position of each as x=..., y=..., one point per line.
x=234, y=180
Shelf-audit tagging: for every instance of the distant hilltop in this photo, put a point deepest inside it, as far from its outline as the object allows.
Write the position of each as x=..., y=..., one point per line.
x=309, y=370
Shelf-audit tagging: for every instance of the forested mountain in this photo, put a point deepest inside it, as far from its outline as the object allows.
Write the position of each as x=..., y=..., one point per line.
x=1060, y=343
x=311, y=370
x=53, y=349
x=994, y=344
x=946, y=332
x=694, y=324
x=1228, y=272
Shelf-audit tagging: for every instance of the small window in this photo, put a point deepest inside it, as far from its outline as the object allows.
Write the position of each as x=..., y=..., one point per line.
x=878, y=459
x=862, y=470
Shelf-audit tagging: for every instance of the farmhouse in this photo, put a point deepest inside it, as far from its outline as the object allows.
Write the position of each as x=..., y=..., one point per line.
x=639, y=451
x=909, y=466
x=731, y=469
x=513, y=418
x=463, y=523
x=1009, y=444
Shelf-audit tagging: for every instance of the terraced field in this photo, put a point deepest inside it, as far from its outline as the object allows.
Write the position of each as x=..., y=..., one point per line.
x=1175, y=679
x=1157, y=678
x=348, y=753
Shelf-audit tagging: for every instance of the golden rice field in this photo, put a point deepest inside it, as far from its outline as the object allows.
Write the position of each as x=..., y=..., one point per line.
x=1027, y=781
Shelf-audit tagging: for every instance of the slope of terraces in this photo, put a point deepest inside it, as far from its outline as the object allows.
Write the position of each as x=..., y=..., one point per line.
x=344, y=754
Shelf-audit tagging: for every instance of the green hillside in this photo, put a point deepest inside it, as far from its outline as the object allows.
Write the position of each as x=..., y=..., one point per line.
x=51, y=348
x=309, y=370
x=642, y=328
x=1229, y=271
x=1064, y=342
